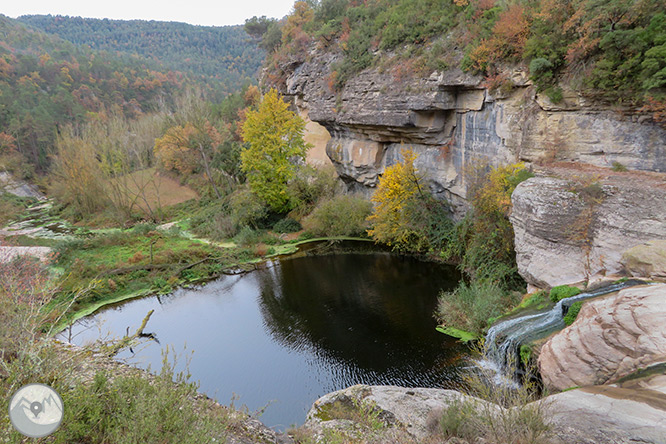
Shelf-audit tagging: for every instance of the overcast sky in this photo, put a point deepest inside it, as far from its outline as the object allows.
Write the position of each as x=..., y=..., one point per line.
x=196, y=12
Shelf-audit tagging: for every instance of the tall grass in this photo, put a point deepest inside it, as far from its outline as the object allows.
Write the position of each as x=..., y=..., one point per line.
x=470, y=306
x=116, y=406
x=497, y=413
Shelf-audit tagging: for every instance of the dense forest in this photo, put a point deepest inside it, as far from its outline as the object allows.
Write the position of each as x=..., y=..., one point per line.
x=47, y=83
x=225, y=54
x=611, y=50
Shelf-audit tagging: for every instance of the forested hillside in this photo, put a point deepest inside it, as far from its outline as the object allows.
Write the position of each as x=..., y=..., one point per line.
x=610, y=50
x=225, y=54
x=47, y=83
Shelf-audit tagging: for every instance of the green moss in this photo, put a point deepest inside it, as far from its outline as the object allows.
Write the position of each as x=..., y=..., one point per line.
x=617, y=166
x=572, y=313
x=562, y=292
x=525, y=354
x=463, y=335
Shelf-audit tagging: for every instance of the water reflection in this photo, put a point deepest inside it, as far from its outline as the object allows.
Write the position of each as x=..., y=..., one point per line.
x=303, y=327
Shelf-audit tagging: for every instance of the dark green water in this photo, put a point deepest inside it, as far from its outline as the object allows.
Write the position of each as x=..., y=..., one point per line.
x=300, y=328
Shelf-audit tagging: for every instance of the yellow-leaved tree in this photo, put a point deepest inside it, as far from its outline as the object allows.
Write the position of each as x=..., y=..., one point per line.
x=395, y=205
x=275, y=138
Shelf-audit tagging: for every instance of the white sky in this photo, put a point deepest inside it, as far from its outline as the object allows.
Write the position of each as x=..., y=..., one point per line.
x=196, y=12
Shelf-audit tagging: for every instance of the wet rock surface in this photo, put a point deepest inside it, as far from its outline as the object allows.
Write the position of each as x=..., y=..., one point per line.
x=611, y=338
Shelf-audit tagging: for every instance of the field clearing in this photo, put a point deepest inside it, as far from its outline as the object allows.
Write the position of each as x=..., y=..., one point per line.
x=152, y=188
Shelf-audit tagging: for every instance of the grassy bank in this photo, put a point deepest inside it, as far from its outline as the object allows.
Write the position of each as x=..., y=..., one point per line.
x=118, y=266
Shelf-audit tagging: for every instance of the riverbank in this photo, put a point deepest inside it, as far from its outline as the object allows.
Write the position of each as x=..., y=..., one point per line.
x=230, y=259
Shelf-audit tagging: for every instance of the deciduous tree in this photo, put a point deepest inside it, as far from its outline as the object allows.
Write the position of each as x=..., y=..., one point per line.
x=274, y=135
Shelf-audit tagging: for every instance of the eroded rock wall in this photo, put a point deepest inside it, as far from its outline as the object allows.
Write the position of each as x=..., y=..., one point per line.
x=454, y=123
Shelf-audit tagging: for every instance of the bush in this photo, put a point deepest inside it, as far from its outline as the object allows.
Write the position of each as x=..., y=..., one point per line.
x=247, y=236
x=618, y=167
x=457, y=420
x=340, y=216
x=144, y=228
x=562, y=292
x=572, y=313
x=246, y=208
x=470, y=306
x=309, y=187
x=287, y=225
x=555, y=94
x=130, y=409
x=541, y=71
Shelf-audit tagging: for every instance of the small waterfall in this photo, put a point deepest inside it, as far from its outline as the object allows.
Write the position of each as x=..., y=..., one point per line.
x=503, y=340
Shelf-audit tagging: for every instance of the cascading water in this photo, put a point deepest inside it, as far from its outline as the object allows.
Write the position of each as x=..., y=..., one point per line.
x=503, y=341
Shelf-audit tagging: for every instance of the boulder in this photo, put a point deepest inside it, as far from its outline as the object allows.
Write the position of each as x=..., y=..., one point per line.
x=626, y=413
x=406, y=409
x=18, y=187
x=646, y=260
x=611, y=338
x=632, y=412
x=568, y=233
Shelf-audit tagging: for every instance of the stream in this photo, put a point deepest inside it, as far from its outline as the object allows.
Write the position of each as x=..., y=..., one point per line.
x=503, y=340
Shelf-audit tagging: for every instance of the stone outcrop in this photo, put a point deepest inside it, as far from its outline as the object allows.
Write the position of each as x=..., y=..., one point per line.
x=611, y=338
x=648, y=259
x=18, y=188
x=567, y=232
x=8, y=254
x=630, y=412
x=454, y=122
x=407, y=409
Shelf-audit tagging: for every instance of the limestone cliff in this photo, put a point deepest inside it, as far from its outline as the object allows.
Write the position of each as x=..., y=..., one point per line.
x=454, y=122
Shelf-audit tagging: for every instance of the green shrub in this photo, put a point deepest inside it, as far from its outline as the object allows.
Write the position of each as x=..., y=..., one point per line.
x=340, y=216
x=457, y=420
x=287, y=225
x=541, y=71
x=572, y=313
x=131, y=409
x=309, y=187
x=555, y=94
x=246, y=208
x=470, y=306
x=144, y=228
x=617, y=166
x=525, y=354
x=562, y=292
x=248, y=236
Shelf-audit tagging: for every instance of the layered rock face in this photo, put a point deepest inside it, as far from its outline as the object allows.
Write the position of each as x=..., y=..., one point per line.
x=567, y=232
x=612, y=337
x=454, y=123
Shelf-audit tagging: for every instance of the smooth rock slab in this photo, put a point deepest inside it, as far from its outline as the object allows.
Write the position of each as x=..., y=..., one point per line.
x=628, y=413
x=400, y=407
x=648, y=259
x=7, y=254
x=562, y=239
x=612, y=337
x=633, y=412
